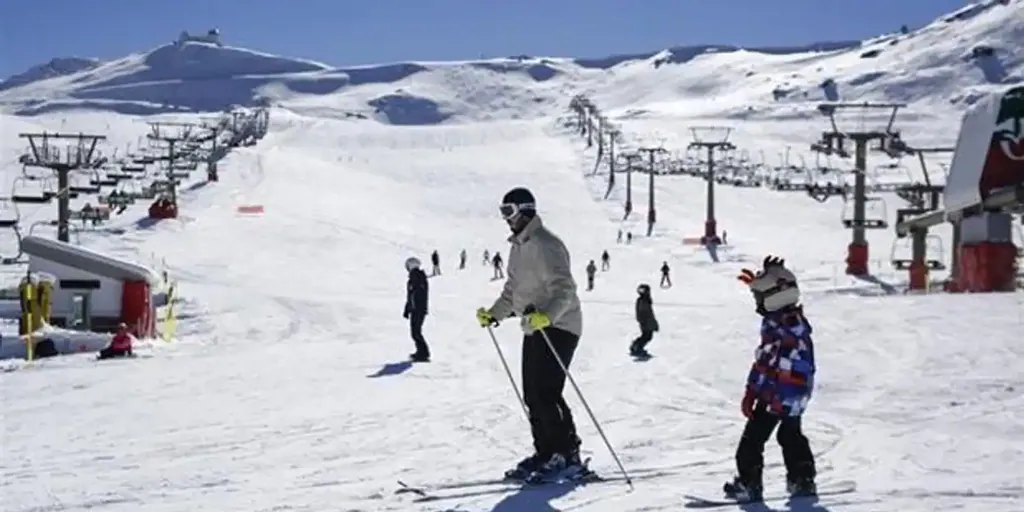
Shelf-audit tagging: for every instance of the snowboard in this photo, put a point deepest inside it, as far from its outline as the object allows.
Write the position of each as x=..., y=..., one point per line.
x=829, y=489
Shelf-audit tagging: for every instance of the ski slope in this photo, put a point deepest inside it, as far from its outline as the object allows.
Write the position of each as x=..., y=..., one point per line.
x=273, y=405
x=287, y=388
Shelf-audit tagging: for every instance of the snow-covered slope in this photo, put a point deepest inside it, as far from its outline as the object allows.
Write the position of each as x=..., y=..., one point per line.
x=944, y=63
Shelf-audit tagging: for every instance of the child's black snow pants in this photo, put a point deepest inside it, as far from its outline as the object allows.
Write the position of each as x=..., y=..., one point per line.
x=641, y=342
x=543, y=382
x=796, y=451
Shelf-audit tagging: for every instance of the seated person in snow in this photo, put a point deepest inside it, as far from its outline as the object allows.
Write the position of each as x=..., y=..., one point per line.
x=120, y=345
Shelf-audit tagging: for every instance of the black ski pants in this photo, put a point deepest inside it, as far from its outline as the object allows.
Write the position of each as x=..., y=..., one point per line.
x=416, y=330
x=796, y=451
x=543, y=382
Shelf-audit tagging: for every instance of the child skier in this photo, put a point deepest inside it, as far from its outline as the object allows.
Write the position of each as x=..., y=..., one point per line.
x=779, y=385
x=591, y=272
x=120, y=344
x=644, y=317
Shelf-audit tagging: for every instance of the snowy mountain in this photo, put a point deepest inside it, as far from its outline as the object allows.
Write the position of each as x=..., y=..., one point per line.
x=944, y=63
x=287, y=386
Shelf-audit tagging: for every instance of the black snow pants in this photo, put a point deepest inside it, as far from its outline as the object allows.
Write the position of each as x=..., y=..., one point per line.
x=110, y=353
x=416, y=330
x=641, y=342
x=543, y=382
x=796, y=451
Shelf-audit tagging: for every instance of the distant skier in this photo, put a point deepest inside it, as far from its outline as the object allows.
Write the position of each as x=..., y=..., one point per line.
x=644, y=317
x=436, y=261
x=120, y=344
x=666, y=281
x=462, y=259
x=416, y=297
x=591, y=271
x=605, y=261
x=779, y=385
x=618, y=237
x=541, y=290
x=499, y=271
x=725, y=237
x=487, y=257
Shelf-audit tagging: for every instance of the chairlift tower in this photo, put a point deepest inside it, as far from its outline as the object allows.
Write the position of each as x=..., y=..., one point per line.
x=710, y=144
x=182, y=133
x=79, y=155
x=650, y=184
x=613, y=136
x=833, y=140
x=631, y=158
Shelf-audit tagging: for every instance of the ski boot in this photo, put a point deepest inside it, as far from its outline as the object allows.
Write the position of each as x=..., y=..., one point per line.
x=524, y=468
x=560, y=468
x=743, y=491
x=416, y=357
x=801, y=487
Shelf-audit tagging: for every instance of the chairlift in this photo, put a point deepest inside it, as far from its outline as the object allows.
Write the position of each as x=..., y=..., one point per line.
x=902, y=255
x=103, y=181
x=876, y=215
x=16, y=259
x=79, y=188
x=18, y=196
x=10, y=217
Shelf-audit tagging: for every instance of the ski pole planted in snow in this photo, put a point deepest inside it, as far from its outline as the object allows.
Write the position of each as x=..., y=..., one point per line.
x=568, y=375
x=511, y=380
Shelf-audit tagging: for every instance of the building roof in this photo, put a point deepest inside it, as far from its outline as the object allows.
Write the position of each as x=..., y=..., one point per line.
x=88, y=260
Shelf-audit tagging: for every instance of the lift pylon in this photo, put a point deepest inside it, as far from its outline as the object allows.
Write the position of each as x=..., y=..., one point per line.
x=711, y=138
x=861, y=137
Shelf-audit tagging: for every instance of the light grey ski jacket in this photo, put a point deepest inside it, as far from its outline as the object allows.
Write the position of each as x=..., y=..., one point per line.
x=539, y=274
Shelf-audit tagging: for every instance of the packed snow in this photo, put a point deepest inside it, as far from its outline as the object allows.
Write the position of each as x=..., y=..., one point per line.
x=288, y=387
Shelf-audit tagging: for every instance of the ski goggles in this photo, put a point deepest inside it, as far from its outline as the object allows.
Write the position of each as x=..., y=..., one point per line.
x=510, y=211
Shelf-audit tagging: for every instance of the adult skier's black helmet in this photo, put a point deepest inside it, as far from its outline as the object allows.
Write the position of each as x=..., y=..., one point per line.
x=516, y=203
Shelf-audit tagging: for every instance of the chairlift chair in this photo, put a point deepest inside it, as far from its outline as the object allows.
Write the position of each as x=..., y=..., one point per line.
x=902, y=256
x=875, y=214
x=103, y=181
x=16, y=259
x=10, y=217
x=19, y=196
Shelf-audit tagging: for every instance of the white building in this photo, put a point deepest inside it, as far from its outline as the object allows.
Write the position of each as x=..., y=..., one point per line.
x=212, y=37
x=93, y=291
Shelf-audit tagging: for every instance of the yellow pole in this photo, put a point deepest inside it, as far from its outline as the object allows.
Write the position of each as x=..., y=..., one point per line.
x=29, y=316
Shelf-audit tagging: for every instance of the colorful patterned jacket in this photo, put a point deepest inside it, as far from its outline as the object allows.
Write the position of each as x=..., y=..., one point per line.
x=782, y=376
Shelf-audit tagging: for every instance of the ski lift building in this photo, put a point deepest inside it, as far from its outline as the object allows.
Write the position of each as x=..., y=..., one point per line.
x=94, y=291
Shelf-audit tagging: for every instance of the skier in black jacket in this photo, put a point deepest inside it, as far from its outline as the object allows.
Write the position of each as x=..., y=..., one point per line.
x=644, y=317
x=416, y=297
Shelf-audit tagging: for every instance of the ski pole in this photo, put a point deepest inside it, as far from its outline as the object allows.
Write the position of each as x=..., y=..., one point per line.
x=568, y=374
x=511, y=380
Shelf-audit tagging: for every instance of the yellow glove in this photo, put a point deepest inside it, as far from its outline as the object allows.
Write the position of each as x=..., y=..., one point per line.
x=485, y=318
x=538, y=320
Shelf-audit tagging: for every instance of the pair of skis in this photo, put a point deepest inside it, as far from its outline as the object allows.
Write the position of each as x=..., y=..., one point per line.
x=483, y=487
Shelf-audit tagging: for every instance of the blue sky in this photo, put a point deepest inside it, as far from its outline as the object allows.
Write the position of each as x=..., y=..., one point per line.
x=350, y=32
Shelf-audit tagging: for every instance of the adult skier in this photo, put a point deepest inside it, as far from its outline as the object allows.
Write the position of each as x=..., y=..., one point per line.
x=540, y=288
x=591, y=272
x=487, y=257
x=666, y=281
x=497, y=262
x=462, y=260
x=779, y=385
x=605, y=261
x=435, y=259
x=644, y=317
x=416, y=297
